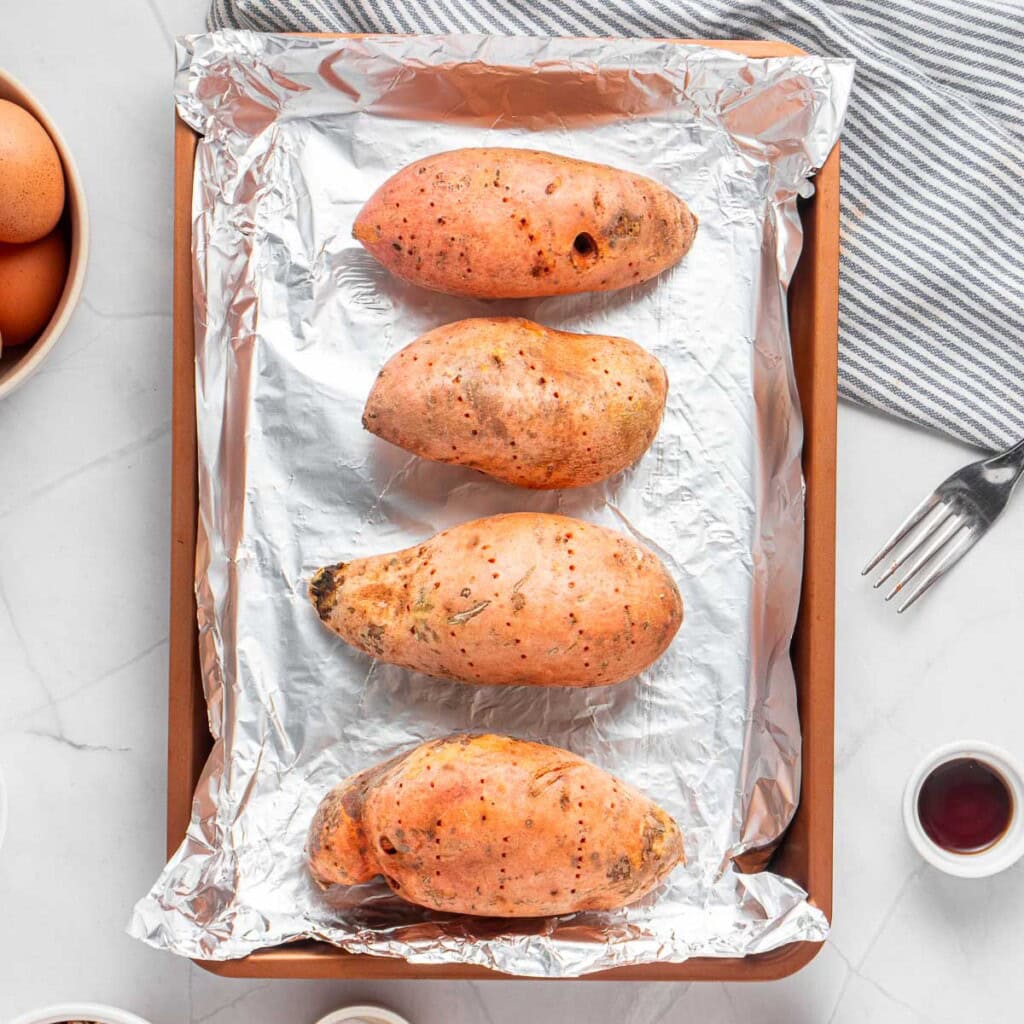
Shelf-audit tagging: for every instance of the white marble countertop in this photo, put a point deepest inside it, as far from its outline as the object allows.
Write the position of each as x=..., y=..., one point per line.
x=84, y=528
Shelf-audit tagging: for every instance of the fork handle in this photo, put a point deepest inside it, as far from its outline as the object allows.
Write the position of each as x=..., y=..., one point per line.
x=1012, y=458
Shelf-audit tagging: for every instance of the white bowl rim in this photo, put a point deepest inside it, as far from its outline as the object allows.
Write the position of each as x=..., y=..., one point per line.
x=998, y=857
x=40, y=348
x=92, y=1012
x=366, y=1012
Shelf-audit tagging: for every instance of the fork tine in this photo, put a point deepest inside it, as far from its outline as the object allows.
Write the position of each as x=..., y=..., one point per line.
x=940, y=539
x=902, y=530
x=940, y=514
x=948, y=560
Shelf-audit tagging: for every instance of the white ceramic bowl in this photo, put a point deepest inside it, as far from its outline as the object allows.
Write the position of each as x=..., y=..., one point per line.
x=79, y=1011
x=18, y=364
x=367, y=1014
x=998, y=857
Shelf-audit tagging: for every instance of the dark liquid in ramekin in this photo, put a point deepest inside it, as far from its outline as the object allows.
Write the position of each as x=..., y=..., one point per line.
x=965, y=806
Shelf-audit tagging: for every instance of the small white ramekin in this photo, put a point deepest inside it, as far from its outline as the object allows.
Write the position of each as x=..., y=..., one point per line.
x=998, y=857
x=369, y=1014
x=79, y=1011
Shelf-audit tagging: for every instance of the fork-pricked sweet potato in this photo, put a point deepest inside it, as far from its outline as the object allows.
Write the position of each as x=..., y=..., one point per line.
x=516, y=223
x=494, y=826
x=523, y=403
x=526, y=598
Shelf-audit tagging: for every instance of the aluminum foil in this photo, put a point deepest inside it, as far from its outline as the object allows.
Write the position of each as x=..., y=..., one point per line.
x=294, y=319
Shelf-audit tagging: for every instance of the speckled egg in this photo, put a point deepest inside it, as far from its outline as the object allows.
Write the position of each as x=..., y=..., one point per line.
x=31, y=177
x=32, y=280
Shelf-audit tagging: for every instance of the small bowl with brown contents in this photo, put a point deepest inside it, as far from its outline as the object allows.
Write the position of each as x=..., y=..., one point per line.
x=44, y=234
x=963, y=809
x=79, y=1013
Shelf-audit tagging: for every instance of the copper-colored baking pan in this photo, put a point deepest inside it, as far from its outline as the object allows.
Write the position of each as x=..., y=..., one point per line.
x=805, y=853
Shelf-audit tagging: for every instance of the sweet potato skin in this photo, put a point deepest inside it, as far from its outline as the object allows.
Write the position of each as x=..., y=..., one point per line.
x=523, y=403
x=517, y=223
x=520, y=599
x=490, y=825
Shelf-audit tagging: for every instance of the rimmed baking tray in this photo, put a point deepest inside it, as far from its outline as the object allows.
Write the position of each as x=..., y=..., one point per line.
x=805, y=852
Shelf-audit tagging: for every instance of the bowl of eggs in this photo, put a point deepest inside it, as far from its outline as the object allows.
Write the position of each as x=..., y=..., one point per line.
x=44, y=234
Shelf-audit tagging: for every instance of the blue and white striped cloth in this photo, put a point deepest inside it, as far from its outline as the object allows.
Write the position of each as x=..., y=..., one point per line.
x=932, y=278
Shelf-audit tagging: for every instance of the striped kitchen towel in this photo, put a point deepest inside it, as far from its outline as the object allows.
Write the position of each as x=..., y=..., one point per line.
x=932, y=273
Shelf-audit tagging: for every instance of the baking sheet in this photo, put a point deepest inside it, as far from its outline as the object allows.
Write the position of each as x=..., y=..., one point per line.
x=294, y=321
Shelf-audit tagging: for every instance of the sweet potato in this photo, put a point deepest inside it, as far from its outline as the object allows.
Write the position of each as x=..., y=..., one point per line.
x=526, y=404
x=527, y=598
x=494, y=826
x=515, y=223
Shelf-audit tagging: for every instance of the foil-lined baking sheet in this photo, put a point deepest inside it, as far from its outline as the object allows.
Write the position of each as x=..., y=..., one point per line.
x=294, y=319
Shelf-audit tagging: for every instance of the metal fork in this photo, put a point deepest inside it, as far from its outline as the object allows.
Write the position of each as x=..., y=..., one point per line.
x=953, y=518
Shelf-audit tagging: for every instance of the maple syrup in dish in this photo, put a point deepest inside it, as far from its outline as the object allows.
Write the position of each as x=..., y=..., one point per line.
x=965, y=806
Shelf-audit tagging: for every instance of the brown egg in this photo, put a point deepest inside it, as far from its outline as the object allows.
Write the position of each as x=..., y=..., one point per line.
x=31, y=281
x=31, y=177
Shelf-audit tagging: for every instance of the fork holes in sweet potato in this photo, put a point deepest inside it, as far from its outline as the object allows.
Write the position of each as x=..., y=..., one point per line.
x=386, y=845
x=585, y=245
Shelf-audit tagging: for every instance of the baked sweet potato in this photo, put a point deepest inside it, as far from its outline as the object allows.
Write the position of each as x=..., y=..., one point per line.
x=527, y=598
x=494, y=826
x=515, y=223
x=523, y=403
